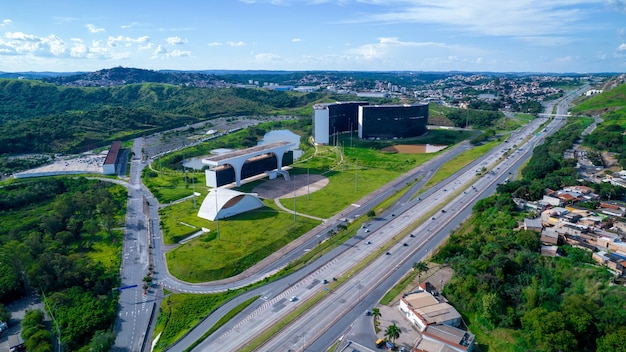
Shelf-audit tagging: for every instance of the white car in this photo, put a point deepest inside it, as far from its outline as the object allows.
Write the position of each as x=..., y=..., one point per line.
x=293, y=298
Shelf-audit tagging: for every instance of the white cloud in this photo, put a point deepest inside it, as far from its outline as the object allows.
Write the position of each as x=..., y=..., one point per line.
x=161, y=52
x=19, y=43
x=22, y=36
x=147, y=46
x=132, y=25
x=621, y=47
x=175, y=40
x=179, y=53
x=93, y=29
x=5, y=22
x=296, y=40
x=620, y=5
x=215, y=44
x=548, y=41
x=126, y=41
x=486, y=17
x=94, y=50
x=267, y=57
x=387, y=45
x=239, y=43
x=78, y=49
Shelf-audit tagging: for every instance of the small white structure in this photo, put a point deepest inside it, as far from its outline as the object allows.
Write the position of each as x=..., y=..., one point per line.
x=221, y=203
x=423, y=309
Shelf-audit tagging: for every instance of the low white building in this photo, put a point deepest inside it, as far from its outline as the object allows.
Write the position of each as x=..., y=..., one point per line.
x=423, y=309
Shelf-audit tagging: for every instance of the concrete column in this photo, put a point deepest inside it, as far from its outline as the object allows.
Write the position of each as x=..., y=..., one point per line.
x=237, y=164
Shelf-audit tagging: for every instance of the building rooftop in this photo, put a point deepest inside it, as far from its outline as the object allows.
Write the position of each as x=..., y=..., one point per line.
x=113, y=152
x=450, y=334
x=256, y=150
x=430, y=309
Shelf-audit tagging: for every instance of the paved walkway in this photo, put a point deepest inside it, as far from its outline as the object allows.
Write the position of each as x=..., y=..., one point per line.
x=279, y=204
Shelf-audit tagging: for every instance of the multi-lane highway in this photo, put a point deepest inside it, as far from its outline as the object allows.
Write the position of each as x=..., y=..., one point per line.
x=362, y=290
x=454, y=194
x=135, y=306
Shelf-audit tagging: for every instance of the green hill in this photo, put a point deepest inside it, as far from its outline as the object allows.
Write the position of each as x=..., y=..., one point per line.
x=43, y=117
x=611, y=134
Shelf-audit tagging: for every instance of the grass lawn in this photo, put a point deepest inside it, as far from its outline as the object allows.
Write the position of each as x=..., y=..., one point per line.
x=179, y=313
x=180, y=220
x=171, y=185
x=341, y=190
x=460, y=161
x=243, y=241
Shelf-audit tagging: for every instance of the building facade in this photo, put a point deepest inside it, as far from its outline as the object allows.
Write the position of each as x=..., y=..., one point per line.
x=371, y=121
x=392, y=121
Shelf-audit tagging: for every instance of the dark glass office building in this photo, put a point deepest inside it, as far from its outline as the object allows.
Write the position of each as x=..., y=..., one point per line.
x=392, y=121
x=371, y=121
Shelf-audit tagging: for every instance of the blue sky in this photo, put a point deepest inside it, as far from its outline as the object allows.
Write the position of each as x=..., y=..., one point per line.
x=372, y=35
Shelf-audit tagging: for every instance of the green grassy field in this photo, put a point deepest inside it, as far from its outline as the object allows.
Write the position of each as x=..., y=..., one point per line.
x=460, y=161
x=241, y=242
x=179, y=313
x=168, y=186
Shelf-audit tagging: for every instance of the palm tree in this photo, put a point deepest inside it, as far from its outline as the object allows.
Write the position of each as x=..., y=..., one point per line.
x=392, y=332
x=420, y=267
x=376, y=313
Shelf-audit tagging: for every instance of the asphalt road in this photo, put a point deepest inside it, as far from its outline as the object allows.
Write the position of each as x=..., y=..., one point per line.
x=137, y=308
x=316, y=322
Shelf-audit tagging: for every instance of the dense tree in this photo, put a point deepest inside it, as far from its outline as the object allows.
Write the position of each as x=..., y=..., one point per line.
x=614, y=341
x=34, y=332
x=41, y=117
x=102, y=341
x=551, y=304
x=45, y=244
x=5, y=315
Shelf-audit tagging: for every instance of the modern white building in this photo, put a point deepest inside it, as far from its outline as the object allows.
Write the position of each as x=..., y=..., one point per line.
x=221, y=203
x=239, y=164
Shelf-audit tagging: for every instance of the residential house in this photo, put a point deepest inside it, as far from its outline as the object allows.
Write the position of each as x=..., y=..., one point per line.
x=533, y=225
x=549, y=236
x=439, y=337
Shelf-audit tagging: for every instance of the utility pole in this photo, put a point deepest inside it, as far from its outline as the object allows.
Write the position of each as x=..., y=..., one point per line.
x=294, y=198
x=357, y=175
x=193, y=189
x=45, y=302
x=216, y=215
x=308, y=182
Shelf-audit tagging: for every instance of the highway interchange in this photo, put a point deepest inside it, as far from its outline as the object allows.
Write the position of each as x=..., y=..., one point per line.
x=321, y=325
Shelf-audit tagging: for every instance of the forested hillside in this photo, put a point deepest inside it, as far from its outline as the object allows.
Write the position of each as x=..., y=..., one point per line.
x=42, y=117
x=513, y=298
x=610, y=135
x=58, y=240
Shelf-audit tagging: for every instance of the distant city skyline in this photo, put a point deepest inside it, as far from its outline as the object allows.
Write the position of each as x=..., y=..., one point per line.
x=345, y=35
